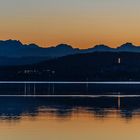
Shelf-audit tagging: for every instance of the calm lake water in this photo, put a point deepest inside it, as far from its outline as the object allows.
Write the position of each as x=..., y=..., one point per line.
x=70, y=118
x=33, y=111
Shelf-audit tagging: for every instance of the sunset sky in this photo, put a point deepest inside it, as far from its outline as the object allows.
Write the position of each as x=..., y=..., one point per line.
x=81, y=23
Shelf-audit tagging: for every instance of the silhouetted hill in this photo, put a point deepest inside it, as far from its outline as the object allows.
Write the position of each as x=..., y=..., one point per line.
x=128, y=47
x=13, y=48
x=98, y=48
x=13, y=52
x=96, y=66
x=11, y=61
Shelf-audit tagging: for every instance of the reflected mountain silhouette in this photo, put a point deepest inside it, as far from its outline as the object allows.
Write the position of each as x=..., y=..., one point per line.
x=14, y=108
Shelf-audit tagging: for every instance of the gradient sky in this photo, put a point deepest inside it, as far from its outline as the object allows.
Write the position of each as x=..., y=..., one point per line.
x=81, y=23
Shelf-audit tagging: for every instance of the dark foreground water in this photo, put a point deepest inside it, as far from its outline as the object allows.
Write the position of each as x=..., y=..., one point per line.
x=70, y=118
x=66, y=88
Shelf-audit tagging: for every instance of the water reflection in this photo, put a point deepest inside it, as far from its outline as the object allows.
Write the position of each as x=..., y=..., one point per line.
x=31, y=88
x=14, y=108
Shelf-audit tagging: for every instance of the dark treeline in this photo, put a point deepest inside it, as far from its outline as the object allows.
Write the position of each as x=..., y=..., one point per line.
x=97, y=66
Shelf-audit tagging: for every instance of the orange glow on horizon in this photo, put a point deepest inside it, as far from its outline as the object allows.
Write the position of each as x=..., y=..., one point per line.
x=79, y=23
x=75, y=43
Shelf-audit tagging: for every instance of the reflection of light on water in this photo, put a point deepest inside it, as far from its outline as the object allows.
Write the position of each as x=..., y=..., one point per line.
x=25, y=89
x=65, y=105
x=119, y=101
x=86, y=89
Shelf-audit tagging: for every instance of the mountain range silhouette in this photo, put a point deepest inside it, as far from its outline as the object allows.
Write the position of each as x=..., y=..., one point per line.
x=13, y=52
x=14, y=48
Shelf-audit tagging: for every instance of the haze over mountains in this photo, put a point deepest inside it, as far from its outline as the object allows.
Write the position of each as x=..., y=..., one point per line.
x=13, y=52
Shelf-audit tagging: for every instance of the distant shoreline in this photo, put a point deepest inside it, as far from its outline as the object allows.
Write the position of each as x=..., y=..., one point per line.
x=75, y=96
x=71, y=82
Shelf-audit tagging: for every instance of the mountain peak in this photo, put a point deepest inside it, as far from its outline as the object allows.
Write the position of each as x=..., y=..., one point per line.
x=11, y=42
x=101, y=46
x=64, y=46
x=127, y=45
x=32, y=45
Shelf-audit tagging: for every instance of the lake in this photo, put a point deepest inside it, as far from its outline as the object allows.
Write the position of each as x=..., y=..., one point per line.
x=70, y=118
x=69, y=111
x=68, y=88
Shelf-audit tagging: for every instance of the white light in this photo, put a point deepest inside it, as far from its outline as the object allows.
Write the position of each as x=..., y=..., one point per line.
x=119, y=60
